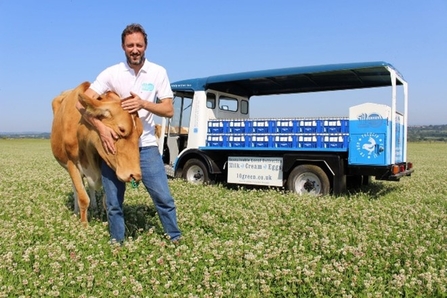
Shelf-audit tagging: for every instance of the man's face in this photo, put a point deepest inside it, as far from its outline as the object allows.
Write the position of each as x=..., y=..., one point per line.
x=134, y=48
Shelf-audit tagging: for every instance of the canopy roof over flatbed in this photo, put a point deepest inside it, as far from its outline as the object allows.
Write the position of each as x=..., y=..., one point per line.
x=296, y=79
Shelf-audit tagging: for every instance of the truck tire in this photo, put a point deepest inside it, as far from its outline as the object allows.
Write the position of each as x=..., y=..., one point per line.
x=308, y=179
x=195, y=171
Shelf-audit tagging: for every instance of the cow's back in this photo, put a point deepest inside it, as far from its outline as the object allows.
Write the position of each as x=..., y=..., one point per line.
x=66, y=119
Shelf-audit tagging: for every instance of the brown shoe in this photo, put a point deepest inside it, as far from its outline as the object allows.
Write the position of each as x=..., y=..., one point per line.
x=177, y=241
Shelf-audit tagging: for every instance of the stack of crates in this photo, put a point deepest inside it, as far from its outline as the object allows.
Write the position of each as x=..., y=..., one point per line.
x=334, y=133
x=280, y=134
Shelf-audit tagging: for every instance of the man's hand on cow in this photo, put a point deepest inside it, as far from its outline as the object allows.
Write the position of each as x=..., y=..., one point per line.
x=108, y=138
x=133, y=103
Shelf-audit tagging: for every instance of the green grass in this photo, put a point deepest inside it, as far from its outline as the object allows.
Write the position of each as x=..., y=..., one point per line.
x=386, y=240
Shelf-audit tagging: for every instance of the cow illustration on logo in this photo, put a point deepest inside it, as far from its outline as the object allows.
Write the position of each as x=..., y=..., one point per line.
x=369, y=145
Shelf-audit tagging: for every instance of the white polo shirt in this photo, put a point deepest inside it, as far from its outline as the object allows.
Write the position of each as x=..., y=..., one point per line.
x=150, y=83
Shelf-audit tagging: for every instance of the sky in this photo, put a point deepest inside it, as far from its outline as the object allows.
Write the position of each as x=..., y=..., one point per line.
x=49, y=46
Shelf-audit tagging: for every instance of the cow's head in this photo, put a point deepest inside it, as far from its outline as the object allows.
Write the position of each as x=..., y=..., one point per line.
x=126, y=161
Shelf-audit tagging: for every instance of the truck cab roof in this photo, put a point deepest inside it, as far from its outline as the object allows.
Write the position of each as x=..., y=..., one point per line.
x=295, y=79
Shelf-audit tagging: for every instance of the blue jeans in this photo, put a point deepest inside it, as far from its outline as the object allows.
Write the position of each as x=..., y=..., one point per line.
x=156, y=182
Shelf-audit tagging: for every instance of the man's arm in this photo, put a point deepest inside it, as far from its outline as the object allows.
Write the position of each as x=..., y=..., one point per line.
x=164, y=108
x=107, y=135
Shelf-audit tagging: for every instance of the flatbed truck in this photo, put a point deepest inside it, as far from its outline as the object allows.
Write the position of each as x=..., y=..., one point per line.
x=212, y=137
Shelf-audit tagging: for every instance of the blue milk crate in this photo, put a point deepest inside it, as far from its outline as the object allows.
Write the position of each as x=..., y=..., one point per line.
x=262, y=126
x=216, y=141
x=307, y=141
x=286, y=126
x=334, y=141
x=308, y=125
x=284, y=141
x=236, y=141
x=237, y=126
x=259, y=141
x=334, y=125
x=217, y=126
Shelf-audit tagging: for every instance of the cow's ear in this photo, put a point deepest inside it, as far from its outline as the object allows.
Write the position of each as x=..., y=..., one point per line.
x=99, y=112
x=102, y=113
x=86, y=100
x=94, y=107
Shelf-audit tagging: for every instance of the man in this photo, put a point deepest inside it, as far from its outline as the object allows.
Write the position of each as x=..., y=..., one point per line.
x=141, y=83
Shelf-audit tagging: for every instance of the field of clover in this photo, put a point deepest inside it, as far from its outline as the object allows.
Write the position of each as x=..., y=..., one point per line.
x=388, y=239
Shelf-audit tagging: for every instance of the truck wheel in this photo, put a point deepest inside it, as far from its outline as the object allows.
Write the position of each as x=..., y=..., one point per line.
x=308, y=179
x=195, y=171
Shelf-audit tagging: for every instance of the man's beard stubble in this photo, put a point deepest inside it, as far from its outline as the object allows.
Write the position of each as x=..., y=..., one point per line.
x=130, y=62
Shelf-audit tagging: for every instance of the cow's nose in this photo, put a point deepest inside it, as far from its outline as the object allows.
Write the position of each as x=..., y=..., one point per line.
x=135, y=177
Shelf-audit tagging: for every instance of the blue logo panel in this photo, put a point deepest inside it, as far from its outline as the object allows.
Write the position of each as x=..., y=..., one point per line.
x=147, y=87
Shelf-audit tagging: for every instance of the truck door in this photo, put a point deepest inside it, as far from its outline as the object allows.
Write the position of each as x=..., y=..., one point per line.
x=176, y=136
x=367, y=149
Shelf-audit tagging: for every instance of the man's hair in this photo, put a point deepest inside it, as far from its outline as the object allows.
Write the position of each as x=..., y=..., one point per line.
x=133, y=28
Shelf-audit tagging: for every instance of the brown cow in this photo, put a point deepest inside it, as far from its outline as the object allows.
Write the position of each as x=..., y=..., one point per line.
x=78, y=147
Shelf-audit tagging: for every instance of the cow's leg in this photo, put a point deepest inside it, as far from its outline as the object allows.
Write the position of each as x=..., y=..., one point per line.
x=92, y=195
x=95, y=185
x=76, y=198
x=104, y=206
x=92, y=174
x=83, y=198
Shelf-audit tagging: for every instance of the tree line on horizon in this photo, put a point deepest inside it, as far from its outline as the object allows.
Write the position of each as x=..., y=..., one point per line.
x=427, y=133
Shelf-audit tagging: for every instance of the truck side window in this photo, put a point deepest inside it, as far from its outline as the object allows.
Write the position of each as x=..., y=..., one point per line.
x=228, y=103
x=244, y=107
x=211, y=100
